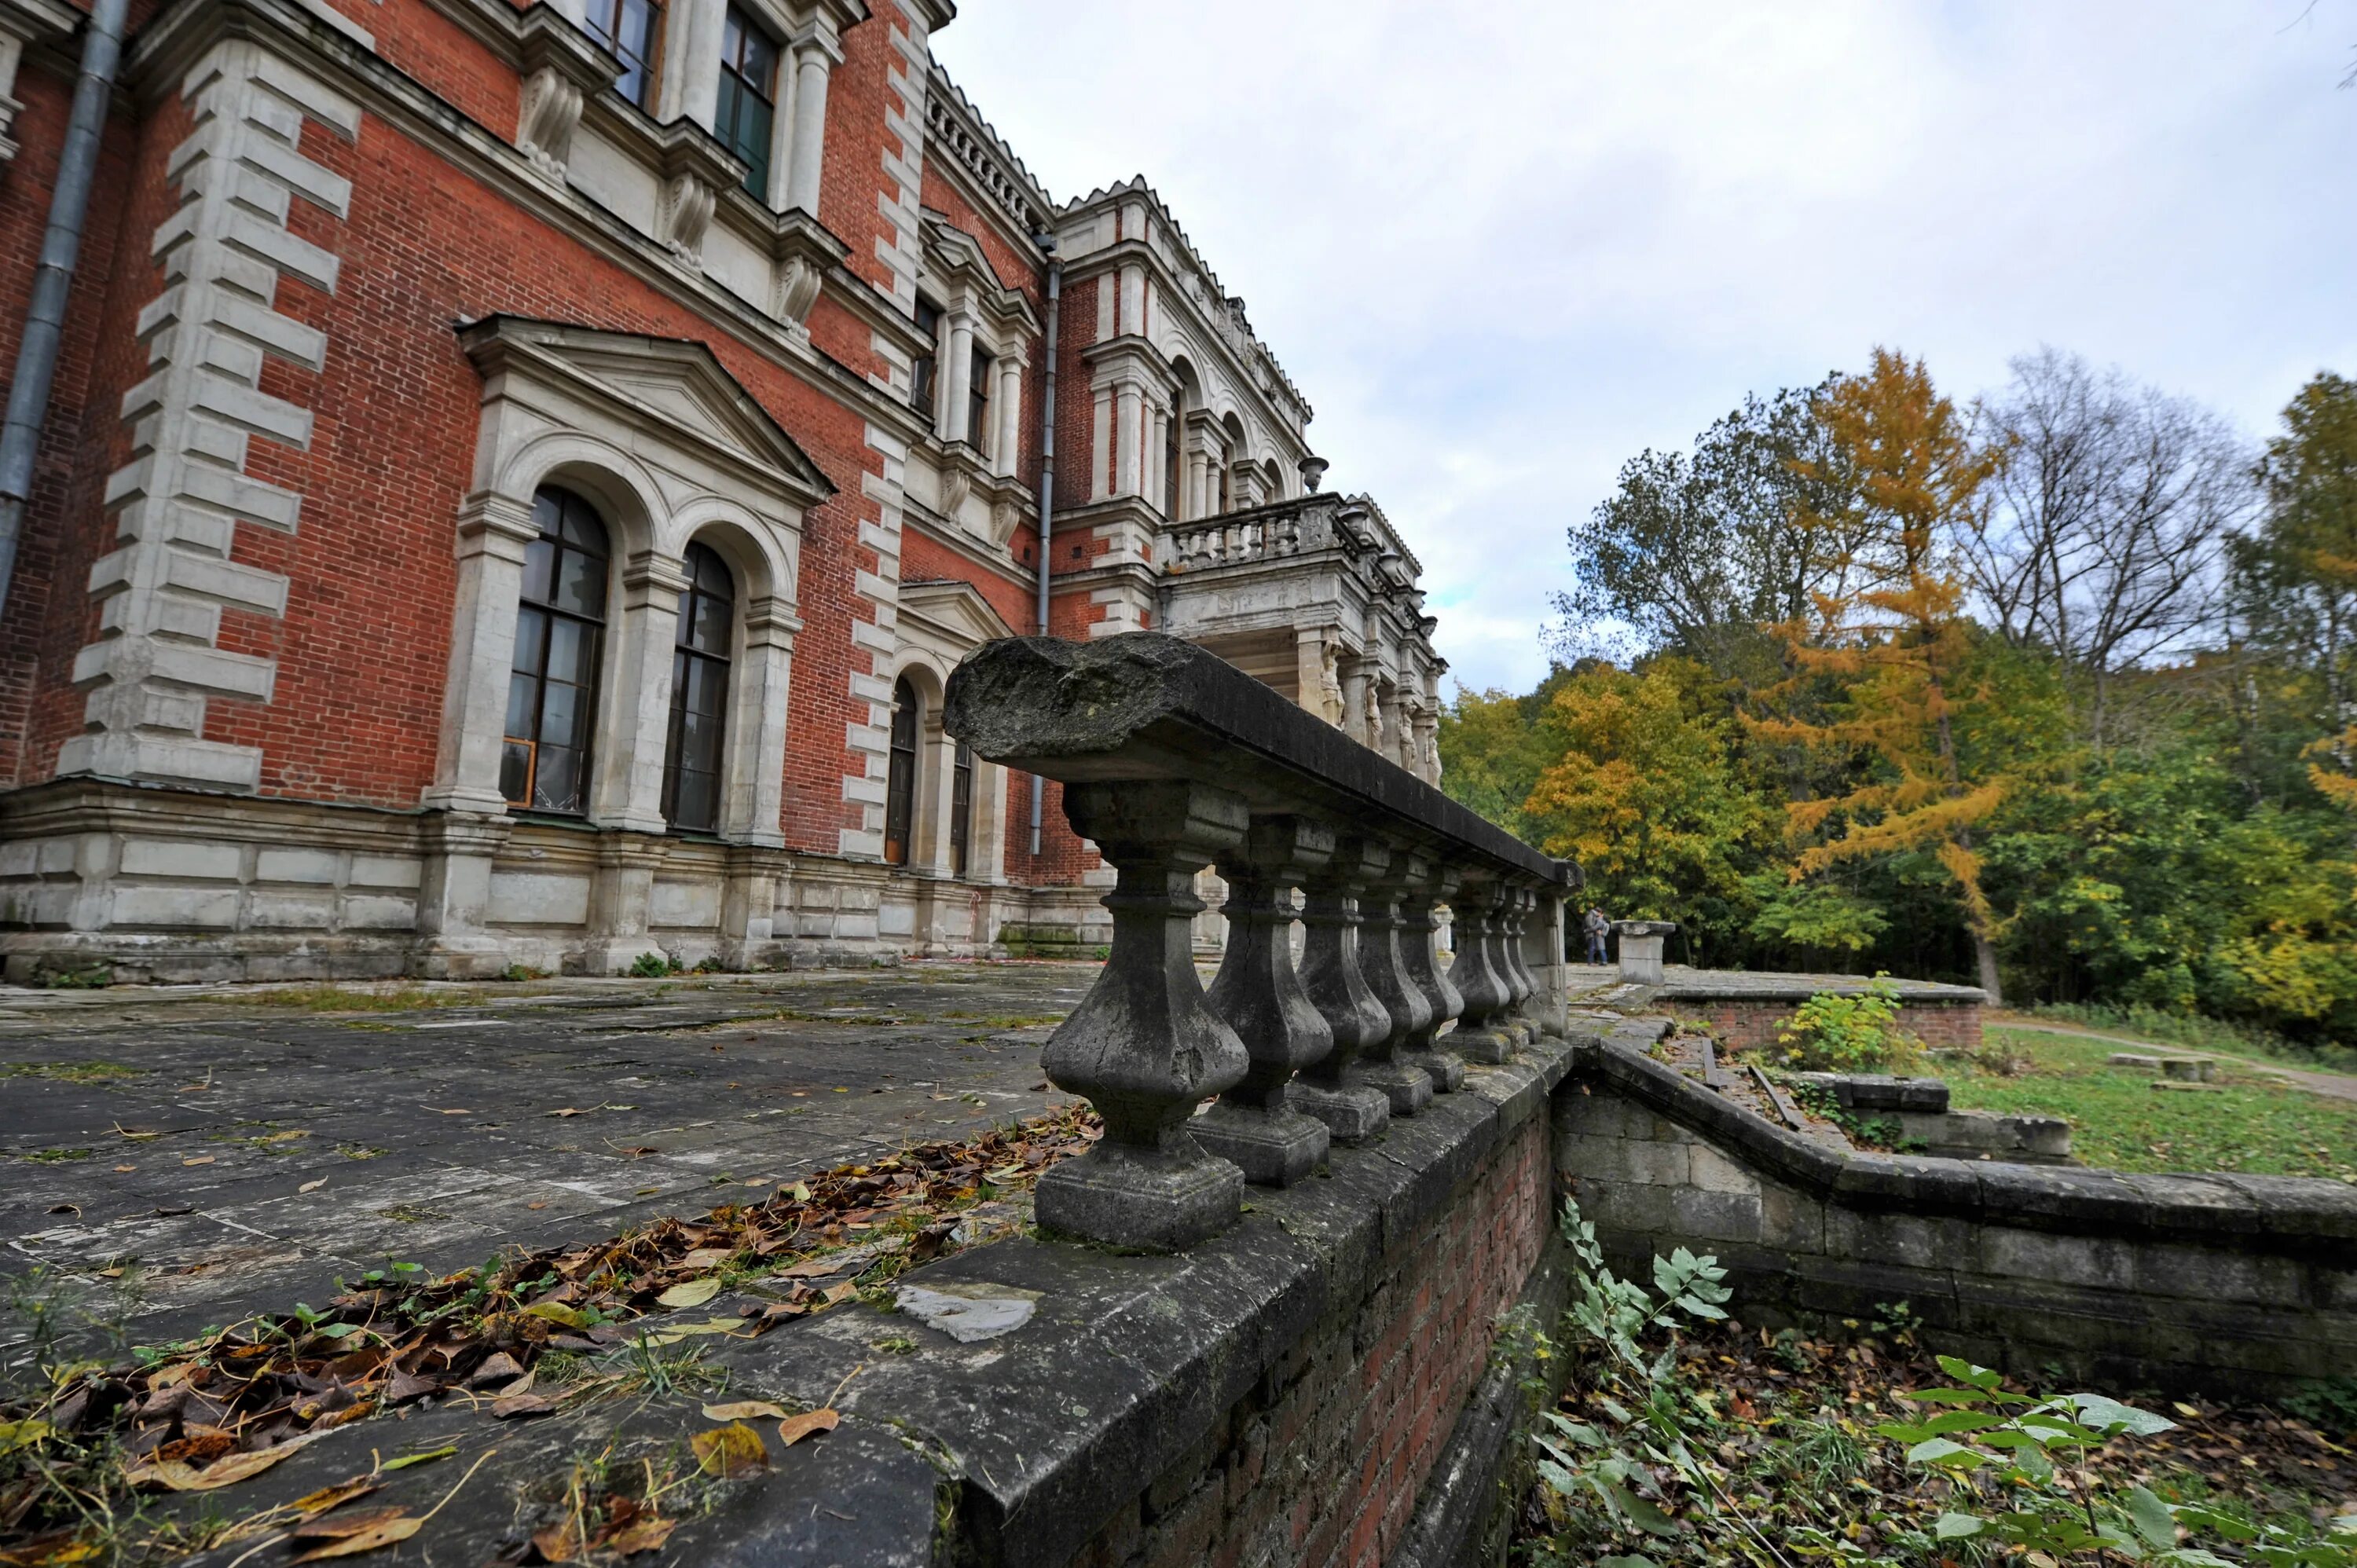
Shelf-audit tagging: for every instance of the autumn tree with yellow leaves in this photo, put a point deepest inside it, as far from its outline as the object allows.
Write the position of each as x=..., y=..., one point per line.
x=1892, y=642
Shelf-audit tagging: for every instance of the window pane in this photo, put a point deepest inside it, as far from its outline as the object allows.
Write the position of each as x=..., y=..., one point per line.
x=582, y=528
x=698, y=805
x=712, y=618
x=539, y=570
x=572, y=650
x=532, y=640
x=581, y=584
x=515, y=772
x=557, y=786
x=523, y=701
x=562, y=712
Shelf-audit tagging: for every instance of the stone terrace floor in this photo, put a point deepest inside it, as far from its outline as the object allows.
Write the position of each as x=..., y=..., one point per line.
x=242, y=1145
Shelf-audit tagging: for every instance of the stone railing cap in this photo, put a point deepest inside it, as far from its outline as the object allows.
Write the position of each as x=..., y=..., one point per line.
x=1146, y=705
x=1643, y=928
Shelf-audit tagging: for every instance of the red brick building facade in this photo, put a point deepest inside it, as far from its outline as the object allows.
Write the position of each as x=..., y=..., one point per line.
x=518, y=478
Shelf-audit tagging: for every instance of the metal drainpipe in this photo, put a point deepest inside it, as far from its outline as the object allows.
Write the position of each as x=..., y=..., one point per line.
x=37, y=351
x=1047, y=484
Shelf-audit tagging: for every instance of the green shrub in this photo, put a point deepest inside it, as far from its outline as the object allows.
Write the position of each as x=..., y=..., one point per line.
x=1833, y=1033
x=650, y=966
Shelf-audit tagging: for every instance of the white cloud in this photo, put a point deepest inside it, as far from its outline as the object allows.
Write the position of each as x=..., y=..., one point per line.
x=1504, y=248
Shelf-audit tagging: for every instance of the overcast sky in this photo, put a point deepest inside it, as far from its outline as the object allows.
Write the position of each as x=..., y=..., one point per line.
x=1501, y=248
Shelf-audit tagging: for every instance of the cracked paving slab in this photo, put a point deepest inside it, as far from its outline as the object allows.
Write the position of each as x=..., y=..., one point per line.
x=234, y=1153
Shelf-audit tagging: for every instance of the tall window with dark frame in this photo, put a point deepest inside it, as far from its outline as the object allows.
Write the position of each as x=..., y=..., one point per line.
x=924, y=370
x=629, y=30
x=961, y=808
x=699, y=693
x=552, y=688
x=977, y=402
x=900, y=777
x=747, y=110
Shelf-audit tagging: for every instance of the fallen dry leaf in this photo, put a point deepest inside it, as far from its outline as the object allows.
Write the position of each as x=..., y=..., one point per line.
x=333, y=1497
x=313, y=1186
x=706, y=1258
x=202, y=1446
x=693, y=1293
x=390, y=1531
x=344, y=1525
x=517, y=1407
x=197, y=1160
x=744, y=1410
x=121, y=1169
x=406, y=1460
x=558, y=1542
x=794, y=1429
x=727, y=1451
x=541, y=1204
x=224, y=1472
x=643, y=1535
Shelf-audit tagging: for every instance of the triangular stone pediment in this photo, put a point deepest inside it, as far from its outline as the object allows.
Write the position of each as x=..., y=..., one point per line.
x=673, y=385
x=956, y=611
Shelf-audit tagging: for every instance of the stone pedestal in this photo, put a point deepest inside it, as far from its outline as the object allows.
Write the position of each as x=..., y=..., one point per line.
x=1260, y=996
x=1143, y=1045
x=1335, y=1089
x=1640, y=943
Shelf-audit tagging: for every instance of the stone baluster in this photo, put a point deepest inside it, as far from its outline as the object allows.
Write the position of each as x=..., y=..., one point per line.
x=1144, y=1045
x=1476, y=1037
x=1508, y=959
x=1333, y=1089
x=1419, y=925
x=1379, y=964
x=1260, y=996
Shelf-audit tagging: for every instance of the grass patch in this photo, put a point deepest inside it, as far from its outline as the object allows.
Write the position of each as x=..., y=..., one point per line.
x=1007, y=1020
x=346, y=999
x=72, y=1072
x=2195, y=1032
x=2246, y=1122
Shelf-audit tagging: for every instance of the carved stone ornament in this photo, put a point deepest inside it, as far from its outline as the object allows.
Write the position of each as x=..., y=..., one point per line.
x=1476, y=1037
x=1143, y=1045
x=695, y=169
x=799, y=281
x=957, y=483
x=544, y=125
x=686, y=216
x=1385, y=971
x=1419, y=925
x=562, y=71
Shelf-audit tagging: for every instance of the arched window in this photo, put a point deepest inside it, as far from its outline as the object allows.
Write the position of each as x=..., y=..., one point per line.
x=961, y=808
x=699, y=692
x=553, y=691
x=901, y=781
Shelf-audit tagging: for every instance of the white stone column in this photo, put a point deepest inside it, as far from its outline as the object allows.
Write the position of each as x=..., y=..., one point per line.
x=957, y=379
x=813, y=58
x=493, y=532
x=1157, y=454
x=634, y=714
x=753, y=797
x=1354, y=700
x=1008, y=449
x=1129, y=409
x=690, y=87
x=935, y=781
x=1197, y=502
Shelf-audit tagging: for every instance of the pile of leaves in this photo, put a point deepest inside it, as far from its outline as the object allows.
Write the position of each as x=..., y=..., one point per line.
x=1686, y=1437
x=205, y=1414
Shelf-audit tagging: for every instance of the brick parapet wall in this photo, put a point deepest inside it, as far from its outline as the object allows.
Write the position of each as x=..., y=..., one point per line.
x=2179, y=1282
x=1741, y=1023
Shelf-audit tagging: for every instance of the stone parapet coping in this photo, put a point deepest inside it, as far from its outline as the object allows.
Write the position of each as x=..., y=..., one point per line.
x=2296, y=1215
x=1679, y=984
x=1128, y=1362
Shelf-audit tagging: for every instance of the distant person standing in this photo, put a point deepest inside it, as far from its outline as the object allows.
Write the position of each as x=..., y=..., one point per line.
x=1598, y=928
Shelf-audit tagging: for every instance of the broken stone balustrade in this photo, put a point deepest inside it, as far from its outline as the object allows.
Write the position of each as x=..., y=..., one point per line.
x=1173, y=761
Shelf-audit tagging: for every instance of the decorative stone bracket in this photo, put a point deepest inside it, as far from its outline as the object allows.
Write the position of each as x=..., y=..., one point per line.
x=694, y=168
x=804, y=253
x=1173, y=758
x=562, y=71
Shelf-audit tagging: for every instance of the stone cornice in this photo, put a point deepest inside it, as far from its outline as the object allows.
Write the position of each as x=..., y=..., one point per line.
x=171, y=42
x=974, y=154
x=952, y=257
x=1111, y=258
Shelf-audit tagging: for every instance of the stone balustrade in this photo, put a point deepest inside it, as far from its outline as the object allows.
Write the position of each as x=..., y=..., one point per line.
x=1173, y=760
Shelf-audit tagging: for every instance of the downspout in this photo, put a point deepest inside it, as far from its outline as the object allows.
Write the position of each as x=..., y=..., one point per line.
x=37, y=351
x=1047, y=484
